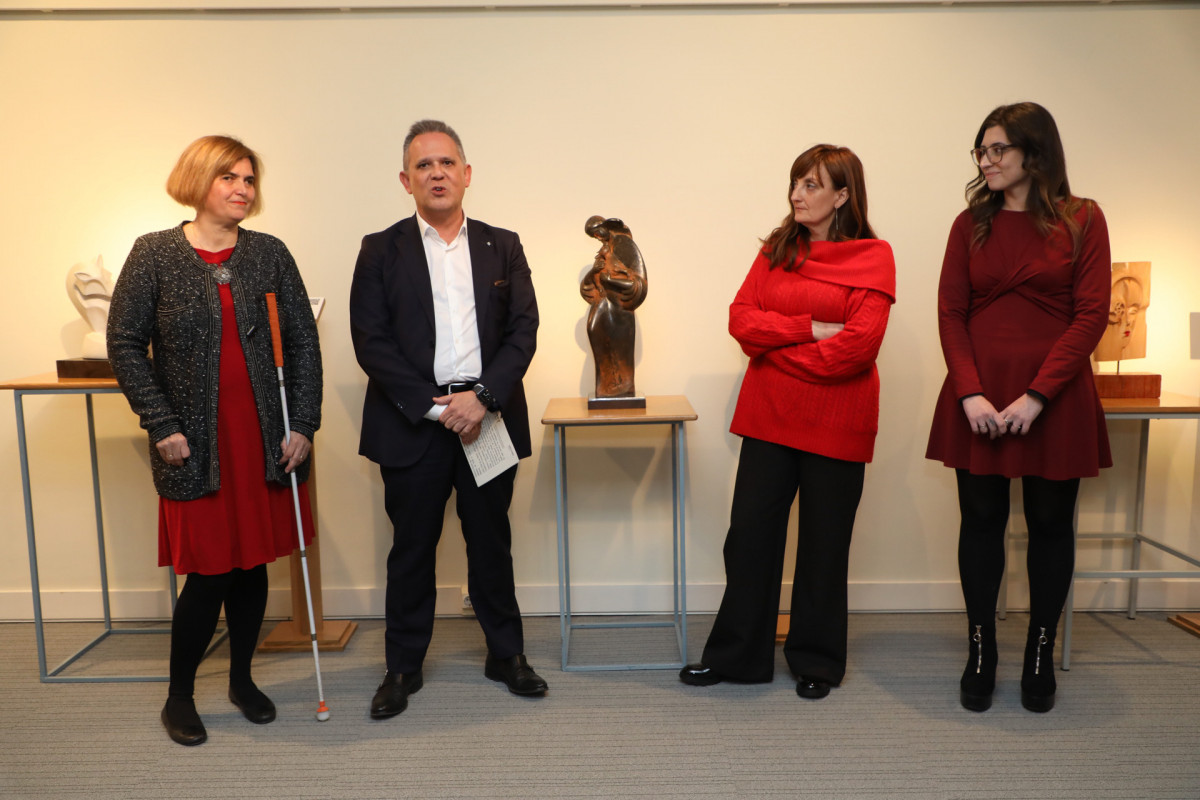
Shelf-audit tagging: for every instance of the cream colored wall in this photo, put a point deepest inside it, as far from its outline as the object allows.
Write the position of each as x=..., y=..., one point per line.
x=683, y=123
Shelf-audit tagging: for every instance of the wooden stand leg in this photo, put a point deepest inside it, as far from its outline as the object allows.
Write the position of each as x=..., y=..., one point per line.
x=292, y=636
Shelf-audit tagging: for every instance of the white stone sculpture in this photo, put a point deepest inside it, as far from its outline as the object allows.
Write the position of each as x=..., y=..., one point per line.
x=90, y=288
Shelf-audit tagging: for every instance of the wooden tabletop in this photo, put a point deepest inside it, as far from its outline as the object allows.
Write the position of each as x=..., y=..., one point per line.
x=574, y=411
x=1169, y=403
x=50, y=380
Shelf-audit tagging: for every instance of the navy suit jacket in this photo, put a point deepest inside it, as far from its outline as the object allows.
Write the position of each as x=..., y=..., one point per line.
x=392, y=327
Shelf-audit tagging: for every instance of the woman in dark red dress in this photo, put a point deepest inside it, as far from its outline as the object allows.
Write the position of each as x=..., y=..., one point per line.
x=210, y=403
x=1022, y=302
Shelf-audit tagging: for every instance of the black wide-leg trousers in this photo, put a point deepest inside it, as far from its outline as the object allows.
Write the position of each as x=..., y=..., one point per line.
x=741, y=645
x=415, y=499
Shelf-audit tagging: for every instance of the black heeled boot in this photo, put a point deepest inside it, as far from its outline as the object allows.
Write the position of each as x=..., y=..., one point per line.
x=979, y=677
x=1037, y=678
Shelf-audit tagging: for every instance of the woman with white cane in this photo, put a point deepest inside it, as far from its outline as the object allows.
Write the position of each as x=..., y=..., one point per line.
x=194, y=293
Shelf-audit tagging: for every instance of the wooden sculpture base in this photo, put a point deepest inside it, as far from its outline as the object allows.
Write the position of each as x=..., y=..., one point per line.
x=616, y=402
x=85, y=368
x=1189, y=622
x=1128, y=384
x=292, y=637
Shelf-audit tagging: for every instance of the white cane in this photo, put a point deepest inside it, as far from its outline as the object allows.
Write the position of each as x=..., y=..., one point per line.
x=277, y=345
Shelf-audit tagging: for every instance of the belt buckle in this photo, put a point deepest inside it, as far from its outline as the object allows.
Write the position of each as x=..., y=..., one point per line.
x=455, y=388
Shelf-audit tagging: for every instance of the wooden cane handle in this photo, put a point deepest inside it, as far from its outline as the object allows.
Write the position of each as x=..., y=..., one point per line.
x=276, y=339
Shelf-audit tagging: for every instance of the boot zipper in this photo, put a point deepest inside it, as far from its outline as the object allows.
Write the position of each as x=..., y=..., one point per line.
x=1037, y=664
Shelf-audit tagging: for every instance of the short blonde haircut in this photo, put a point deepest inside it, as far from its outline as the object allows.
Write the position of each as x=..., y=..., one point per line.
x=203, y=162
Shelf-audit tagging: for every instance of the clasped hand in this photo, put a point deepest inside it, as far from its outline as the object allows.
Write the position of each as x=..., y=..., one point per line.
x=1016, y=418
x=463, y=415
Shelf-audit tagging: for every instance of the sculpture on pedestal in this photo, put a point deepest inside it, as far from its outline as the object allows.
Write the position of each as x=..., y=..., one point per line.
x=90, y=288
x=1125, y=336
x=614, y=287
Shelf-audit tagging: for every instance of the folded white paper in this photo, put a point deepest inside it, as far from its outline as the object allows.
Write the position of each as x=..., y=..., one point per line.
x=492, y=452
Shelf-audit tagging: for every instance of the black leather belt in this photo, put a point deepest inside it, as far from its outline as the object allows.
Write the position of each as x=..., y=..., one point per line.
x=455, y=388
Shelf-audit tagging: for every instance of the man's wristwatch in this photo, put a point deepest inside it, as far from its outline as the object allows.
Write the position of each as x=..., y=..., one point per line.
x=485, y=397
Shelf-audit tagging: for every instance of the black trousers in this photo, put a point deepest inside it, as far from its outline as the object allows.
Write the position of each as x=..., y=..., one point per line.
x=1050, y=517
x=415, y=498
x=769, y=477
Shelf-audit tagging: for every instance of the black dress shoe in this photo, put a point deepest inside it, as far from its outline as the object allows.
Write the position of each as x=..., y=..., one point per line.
x=812, y=688
x=392, y=695
x=700, y=674
x=182, y=722
x=516, y=674
x=255, y=705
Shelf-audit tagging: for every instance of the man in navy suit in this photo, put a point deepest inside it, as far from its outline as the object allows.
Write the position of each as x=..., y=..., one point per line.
x=444, y=323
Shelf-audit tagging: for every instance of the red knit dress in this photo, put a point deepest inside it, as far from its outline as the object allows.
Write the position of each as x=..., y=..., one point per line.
x=1023, y=312
x=818, y=396
x=248, y=521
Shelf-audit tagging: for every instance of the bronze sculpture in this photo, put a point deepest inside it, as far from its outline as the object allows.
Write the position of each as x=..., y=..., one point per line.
x=614, y=286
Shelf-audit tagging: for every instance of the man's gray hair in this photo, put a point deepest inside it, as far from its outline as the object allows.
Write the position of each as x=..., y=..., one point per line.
x=432, y=126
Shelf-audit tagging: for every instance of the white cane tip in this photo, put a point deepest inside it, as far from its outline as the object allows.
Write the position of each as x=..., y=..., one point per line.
x=322, y=716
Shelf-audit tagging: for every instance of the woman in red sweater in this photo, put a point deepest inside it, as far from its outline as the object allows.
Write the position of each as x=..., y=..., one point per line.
x=811, y=316
x=1022, y=303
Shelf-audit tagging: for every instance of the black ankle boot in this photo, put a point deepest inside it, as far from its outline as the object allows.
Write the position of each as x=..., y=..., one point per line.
x=1037, y=677
x=979, y=677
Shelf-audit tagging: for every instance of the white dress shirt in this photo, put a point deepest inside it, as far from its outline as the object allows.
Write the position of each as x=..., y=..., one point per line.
x=457, y=356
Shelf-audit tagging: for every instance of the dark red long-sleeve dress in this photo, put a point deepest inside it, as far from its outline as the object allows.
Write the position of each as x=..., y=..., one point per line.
x=1023, y=313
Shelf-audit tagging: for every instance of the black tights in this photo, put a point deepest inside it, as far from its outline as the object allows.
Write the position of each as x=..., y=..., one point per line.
x=1050, y=517
x=244, y=595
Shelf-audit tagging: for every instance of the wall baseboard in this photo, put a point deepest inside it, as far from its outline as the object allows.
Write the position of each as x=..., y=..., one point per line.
x=865, y=596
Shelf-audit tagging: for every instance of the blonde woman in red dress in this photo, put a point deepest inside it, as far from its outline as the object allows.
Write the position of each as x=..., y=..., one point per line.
x=209, y=401
x=1022, y=303
x=811, y=316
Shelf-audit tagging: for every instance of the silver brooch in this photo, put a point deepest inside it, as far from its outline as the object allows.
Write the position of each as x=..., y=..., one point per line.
x=223, y=275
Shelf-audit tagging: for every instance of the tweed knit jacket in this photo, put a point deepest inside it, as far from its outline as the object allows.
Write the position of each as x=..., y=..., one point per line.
x=166, y=297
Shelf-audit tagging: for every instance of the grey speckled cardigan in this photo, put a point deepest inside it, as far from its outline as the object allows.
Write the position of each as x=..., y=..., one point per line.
x=166, y=297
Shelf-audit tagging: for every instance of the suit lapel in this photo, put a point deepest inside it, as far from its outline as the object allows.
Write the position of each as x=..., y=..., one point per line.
x=483, y=267
x=412, y=263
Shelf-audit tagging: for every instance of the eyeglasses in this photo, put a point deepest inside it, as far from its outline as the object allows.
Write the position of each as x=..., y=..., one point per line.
x=994, y=152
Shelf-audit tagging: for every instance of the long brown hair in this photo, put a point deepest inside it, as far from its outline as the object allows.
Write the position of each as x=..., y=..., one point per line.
x=1031, y=128
x=788, y=245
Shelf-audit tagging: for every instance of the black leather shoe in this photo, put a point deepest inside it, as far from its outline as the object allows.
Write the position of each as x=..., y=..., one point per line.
x=255, y=705
x=392, y=695
x=182, y=722
x=700, y=674
x=516, y=674
x=812, y=688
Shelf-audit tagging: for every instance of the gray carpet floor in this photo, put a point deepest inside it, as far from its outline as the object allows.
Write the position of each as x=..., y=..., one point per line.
x=1127, y=723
